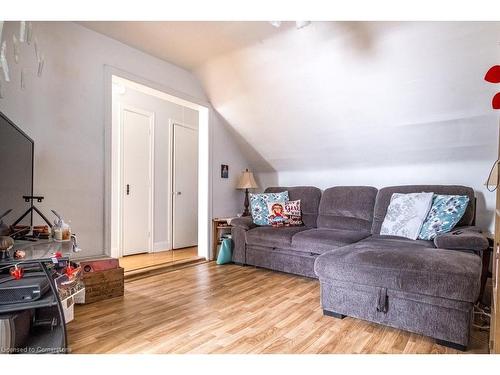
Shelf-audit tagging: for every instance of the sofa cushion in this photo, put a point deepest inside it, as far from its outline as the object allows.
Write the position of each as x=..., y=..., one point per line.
x=384, y=197
x=401, y=241
x=309, y=197
x=319, y=240
x=347, y=207
x=272, y=237
x=405, y=265
x=446, y=211
x=465, y=238
x=259, y=205
x=406, y=214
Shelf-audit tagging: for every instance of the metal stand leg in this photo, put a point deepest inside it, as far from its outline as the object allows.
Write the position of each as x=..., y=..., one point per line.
x=59, y=306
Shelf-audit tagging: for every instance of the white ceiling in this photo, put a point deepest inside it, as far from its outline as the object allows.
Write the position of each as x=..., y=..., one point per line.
x=339, y=94
x=186, y=44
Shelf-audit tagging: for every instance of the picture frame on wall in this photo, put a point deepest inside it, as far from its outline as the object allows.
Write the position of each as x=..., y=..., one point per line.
x=224, y=171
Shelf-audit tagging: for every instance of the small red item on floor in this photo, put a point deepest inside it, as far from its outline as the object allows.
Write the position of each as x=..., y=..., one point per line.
x=17, y=272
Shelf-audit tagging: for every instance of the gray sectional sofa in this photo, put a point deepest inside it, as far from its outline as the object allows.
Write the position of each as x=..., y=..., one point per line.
x=427, y=287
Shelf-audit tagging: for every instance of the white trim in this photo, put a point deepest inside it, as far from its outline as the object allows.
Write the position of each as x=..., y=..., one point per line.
x=151, y=117
x=205, y=134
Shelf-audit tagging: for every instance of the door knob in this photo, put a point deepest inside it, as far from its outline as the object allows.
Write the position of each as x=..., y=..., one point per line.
x=179, y=193
x=128, y=189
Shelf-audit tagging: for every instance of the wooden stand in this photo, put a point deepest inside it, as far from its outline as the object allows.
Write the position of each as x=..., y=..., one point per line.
x=102, y=285
x=219, y=226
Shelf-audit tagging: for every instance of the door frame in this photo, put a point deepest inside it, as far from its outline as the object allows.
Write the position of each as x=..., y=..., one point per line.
x=151, y=117
x=171, y=124
x=111, y=147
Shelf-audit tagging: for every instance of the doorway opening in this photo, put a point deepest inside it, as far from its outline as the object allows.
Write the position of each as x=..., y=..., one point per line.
x=158, y=188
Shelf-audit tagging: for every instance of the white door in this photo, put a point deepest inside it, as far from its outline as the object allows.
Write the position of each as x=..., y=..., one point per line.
x=136, y=180
x=185, y=187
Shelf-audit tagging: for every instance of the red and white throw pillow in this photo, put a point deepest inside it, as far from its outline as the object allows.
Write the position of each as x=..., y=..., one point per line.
x=284, y=213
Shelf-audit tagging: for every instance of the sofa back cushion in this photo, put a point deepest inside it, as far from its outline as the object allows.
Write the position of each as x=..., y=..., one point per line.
x=347, y=207
x=384, y=198
x=309, y=201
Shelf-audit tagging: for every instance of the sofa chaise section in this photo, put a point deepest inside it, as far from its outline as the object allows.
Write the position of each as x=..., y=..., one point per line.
x=426, y=287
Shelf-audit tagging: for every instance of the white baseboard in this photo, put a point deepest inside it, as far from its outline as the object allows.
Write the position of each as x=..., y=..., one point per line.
x=161, y=246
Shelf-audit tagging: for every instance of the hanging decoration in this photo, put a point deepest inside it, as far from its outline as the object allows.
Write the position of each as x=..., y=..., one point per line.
x=22, y=31
x=24, y=37
x=29, y=33
x=23, y=83
x=3, y=62
x=15, y=44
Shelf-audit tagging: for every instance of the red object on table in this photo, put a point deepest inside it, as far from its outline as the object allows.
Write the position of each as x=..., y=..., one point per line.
x=69, y=271
x=57, y=254
x=17, y=272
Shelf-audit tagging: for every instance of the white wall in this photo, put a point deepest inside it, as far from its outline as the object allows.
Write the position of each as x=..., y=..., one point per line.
x=63, y=111
x=227, y=201
x=377, y=103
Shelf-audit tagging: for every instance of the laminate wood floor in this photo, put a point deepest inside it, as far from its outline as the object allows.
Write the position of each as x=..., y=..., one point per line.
x=232, y=309
x=141, y=261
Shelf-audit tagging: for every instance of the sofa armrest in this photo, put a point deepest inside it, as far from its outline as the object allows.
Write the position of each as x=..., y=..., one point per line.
x=464, y=238
x=244, y=222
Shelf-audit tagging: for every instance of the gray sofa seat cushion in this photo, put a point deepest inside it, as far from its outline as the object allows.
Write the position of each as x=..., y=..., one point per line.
x=347, y=207
x=405, y=266
x=272, y=237
x=398, y=241
x=309, y=201
x=319, y=241
x=465, y=238
x=384, y=197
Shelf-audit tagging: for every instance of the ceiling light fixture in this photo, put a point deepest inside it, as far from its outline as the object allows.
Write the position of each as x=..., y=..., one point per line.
x=302, y=24
x=276, y=24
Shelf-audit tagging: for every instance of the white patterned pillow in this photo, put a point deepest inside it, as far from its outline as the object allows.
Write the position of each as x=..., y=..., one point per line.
x=406, y=214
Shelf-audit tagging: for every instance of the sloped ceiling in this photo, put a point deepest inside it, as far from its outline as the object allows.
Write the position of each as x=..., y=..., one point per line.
x=342, y=94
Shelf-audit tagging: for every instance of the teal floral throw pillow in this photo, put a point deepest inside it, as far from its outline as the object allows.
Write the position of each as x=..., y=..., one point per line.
x=259, y=205
x=446, y=211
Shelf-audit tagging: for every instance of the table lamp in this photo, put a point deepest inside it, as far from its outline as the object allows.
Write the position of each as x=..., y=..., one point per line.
x=493, y=76
x=246, y=181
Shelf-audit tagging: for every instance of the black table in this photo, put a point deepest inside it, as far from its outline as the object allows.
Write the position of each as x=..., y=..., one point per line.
x=41, y=254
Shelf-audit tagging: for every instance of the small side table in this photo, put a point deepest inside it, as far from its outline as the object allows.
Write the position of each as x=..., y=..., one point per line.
x=219, y=227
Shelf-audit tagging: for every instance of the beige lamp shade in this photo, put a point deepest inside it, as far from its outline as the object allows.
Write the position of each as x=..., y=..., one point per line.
x=247, y=181
x=492, y=181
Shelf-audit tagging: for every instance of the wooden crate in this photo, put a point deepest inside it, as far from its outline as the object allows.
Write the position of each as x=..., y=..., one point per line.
x=101, y=285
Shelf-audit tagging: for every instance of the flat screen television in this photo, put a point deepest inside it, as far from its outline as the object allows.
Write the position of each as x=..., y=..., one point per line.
x=16, y=171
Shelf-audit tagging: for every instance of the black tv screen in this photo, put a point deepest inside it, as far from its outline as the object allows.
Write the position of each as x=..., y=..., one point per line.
x=16, y=171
